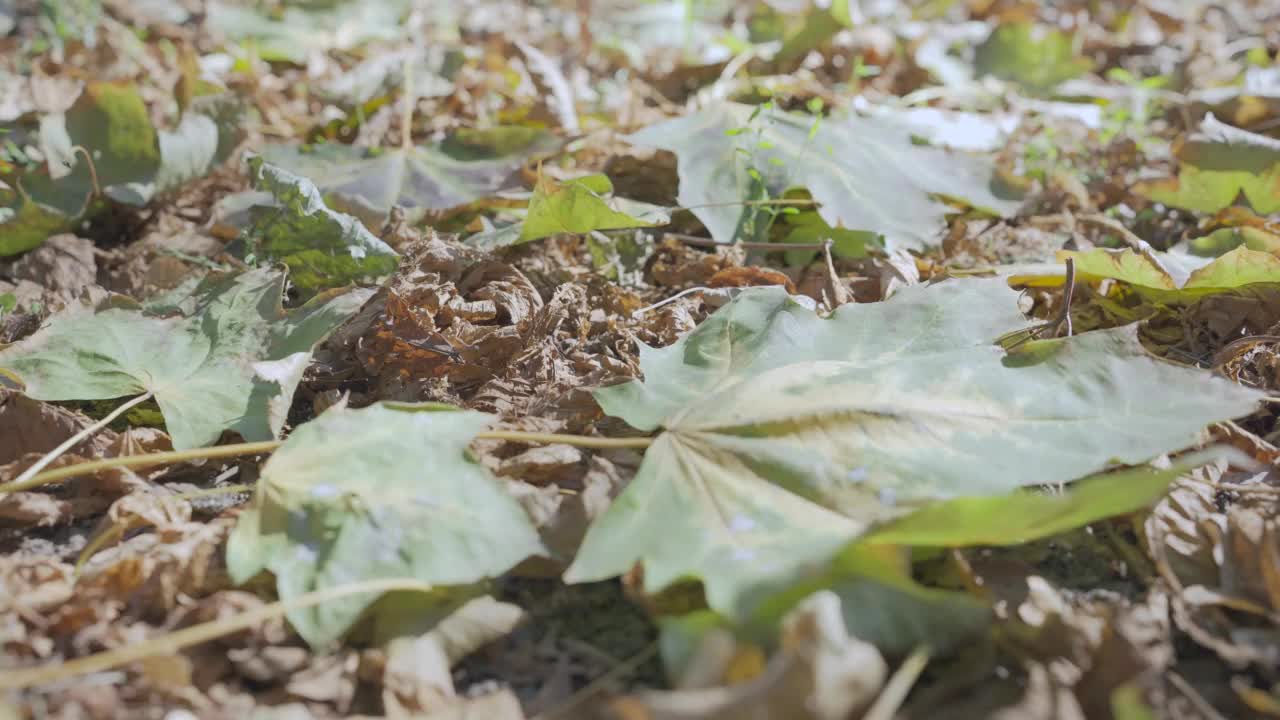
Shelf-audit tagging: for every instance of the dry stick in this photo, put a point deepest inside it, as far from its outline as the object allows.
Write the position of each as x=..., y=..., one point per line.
x=172, y=643
x=592, y=687
x=160, y=458
x=890, y=699
x=1064, y=315
x=93, y=169
x=709, y=242
x=118, y=529
x=71, y=442
x=747, y=203
x=266, y=446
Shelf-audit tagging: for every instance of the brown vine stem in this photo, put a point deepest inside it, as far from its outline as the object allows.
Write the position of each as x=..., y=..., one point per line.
x=172, y=643
x=266, y=446
x=708, y=242
x=749, y=203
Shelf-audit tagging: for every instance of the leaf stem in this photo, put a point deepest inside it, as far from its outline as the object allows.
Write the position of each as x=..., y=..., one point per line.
x=172, y=643
x=160, y=458
x=93, y=169
x=84, y=434
x=598, y=443
x=710, y=242
x=266, y=446
x=747, y=203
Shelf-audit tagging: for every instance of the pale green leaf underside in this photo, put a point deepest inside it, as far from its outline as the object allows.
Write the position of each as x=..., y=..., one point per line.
x=862, y=418
x=417, y=179
x=865, y=172
x=387, y=491
x=200, y=366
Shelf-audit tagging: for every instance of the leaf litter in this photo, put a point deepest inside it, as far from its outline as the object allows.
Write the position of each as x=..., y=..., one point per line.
x=526, y=436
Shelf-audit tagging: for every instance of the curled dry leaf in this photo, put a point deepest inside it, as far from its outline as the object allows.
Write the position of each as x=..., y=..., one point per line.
x=820, y=673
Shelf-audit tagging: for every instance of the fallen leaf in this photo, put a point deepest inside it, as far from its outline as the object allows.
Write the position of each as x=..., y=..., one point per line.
x=204, y=366
x=349, y=496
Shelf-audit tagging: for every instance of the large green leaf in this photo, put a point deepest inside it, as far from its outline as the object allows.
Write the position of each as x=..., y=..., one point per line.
x=25, y=223
x=865, y=172
x=786, y=433
x=230, y=362
x=322, y=248
x=576, y=206
x=387, y=491
x=1218, y=165
x=458, y=171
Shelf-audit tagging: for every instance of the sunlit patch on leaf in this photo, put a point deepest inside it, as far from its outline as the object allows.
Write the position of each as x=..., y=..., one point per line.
x=577, y=206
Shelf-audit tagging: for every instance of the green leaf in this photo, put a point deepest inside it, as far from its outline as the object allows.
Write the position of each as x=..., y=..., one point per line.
x=576, y=206
x=1037, y=57
x=26, y=223
x=387, y=491
x=322, y=248
x=300, y=32
x=786, y=434
x=865, y=172
x=1027, y=515
x=418, y=179
x=110, y=120
x=230, y=362
x=1167, y=274
x=809, y=227
x=1218, y=165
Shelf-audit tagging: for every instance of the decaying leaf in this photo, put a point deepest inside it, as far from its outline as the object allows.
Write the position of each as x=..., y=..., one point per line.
x=322, y=248
x=214, y=367
x=387, y=491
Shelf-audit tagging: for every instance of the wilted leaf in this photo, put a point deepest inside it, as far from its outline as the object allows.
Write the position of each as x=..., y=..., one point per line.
x=322, y=248
x=576, y=206
x=788, y=435
x=1218, y=165
x=1037, y=57
x=217, y=368
x=387, y=491
x=865, y=172
x=466, y=168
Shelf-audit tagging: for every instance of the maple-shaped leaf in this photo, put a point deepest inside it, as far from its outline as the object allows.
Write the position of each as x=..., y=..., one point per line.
x=787, y=435
x=231, y=361
x=322, y=247
x=865, y=173
x=1217, y=166
x=1170, y=277
x=387, y=491
x=467, y=167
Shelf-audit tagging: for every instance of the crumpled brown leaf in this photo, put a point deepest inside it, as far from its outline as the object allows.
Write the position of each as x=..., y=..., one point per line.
x=417, y=677
x=820, y=672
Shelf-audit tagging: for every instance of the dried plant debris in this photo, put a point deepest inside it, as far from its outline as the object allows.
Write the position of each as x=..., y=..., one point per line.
x=639, y=360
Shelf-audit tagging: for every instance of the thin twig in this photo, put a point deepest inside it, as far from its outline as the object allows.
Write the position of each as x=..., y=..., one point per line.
x=74, y=440
x=93, y=169
x=266, y=446
x=709, y=242
x=895, y=691
x=622, y=668
x=1063, y=318
x=749, y=203
x=172, y=643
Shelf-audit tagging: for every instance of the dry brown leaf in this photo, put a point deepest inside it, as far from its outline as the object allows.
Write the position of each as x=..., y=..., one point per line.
x=820, y=672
